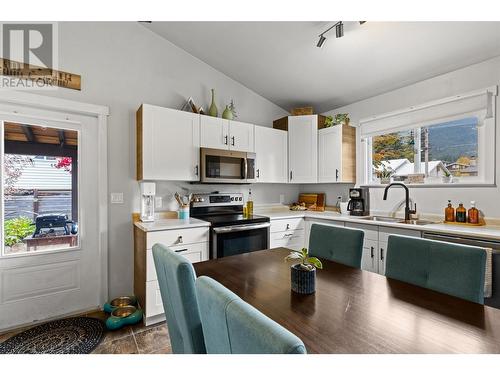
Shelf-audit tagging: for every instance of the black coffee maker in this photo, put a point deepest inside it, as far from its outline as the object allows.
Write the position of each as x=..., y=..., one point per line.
x=359, y=202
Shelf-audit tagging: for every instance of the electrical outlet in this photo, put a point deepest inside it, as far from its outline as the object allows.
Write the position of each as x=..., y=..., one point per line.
x=116, y=198
x=158, y=202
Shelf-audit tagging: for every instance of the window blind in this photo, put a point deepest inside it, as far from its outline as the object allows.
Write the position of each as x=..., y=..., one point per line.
x=478, y=103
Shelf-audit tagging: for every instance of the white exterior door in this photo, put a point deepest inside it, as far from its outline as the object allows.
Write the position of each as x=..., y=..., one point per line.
x=271, y=155
x=41, y=284
x=330, y=154
x=303, y=149
x=241, y=136
x=171, y=144
x=214, y=132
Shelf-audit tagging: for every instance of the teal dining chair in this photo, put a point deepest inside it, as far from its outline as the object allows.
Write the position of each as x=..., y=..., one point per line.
x=176, y=278
x=453, y=269
x=341, y=245
x=232, y=326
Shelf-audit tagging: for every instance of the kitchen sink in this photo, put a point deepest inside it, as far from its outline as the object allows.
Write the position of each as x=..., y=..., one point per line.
x=388, y=219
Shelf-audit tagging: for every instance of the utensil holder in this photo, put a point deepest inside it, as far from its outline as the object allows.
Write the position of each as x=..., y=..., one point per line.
x=183, y=213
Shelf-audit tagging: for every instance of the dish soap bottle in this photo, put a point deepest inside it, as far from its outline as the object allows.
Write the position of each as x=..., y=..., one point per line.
x=461, y=213
x=249, y=203
x=473, y=214
x=449, y=212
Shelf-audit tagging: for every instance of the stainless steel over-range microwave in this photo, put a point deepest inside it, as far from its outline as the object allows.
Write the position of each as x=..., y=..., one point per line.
x=228, y=167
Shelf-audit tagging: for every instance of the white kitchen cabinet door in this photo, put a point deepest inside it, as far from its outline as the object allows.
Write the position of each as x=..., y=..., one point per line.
x=170, y=144
x=303, y=149
x=271, y=155
x=330, y=154
x=241, y=136
x=214, y=132
x=370, y=257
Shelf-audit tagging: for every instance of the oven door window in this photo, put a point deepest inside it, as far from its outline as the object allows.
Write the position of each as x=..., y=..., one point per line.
x=241, y=242
x=224, y=167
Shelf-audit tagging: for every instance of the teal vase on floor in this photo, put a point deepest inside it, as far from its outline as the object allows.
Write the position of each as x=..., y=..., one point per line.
x=227, y=114
x=212, y=111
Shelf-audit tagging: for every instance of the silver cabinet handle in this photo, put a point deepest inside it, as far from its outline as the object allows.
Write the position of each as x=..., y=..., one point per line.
x=288, y=235
x=240, y=228
x=181, y=250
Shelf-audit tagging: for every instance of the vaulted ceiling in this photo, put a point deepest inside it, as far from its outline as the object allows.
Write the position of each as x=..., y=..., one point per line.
x=280, y=60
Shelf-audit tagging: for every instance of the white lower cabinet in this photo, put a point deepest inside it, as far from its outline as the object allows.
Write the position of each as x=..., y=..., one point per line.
x=310, y=222
x=287, y=233
x=192, y=243
x=375, y=244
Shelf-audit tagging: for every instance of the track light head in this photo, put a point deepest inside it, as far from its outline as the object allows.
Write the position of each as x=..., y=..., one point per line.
x=321, y=40
x=339, y=30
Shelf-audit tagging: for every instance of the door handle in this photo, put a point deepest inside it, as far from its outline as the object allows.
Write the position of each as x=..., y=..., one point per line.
x=225, y=139
x=258, y=173
x=381, y=253
x=196, y=170
x=336, y=174
x=291, y=175
x=371, y=251
x=232, y=140
x=181, y=250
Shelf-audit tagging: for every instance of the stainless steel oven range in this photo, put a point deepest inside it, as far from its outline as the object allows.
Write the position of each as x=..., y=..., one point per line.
x=231, y=233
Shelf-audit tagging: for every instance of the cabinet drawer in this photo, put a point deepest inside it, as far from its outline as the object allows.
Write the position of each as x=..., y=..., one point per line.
x=287, y=224
x=296, y=243
x=194, y=253
x=287, y=235
x=385, y=232
x=154, y=305
x=371, y=231
x=176, y=237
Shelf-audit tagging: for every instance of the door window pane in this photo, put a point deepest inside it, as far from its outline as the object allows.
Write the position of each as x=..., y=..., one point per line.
x=40, y=197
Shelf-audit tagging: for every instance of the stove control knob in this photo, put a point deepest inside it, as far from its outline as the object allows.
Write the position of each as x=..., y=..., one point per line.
x=240, y=199
x=232, y=198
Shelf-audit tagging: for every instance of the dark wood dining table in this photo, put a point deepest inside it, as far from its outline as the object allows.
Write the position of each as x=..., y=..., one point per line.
x=356, y=311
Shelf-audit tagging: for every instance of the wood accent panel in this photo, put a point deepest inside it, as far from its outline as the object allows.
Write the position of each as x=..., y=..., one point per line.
x=50, y=77
x=356, y=311
x=139, y=143
x=348, y=153
x=282, y=123
x=140, y=266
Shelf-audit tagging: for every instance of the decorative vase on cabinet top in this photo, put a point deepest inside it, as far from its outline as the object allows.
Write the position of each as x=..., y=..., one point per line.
x=212, y=111
x=227, y=114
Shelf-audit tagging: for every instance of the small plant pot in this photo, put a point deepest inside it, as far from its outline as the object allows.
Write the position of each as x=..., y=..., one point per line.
x=446, y=179
x=303, y=281
x=385, y=180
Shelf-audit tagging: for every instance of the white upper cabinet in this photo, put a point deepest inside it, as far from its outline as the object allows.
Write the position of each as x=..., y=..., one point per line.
x=214, y=132
x=330, y=154
x=168, y=144
x=227, y=135
x=241, y=136
x=337, y=154
x=303, y=149
x=271, y=155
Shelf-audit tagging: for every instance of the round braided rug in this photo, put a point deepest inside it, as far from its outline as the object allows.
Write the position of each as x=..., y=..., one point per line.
x=65, y=336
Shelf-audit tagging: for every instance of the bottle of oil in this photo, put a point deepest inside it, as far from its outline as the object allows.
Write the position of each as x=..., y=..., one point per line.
x=449, y=212
x=249, y=203
x=461, y=214
x=473, y=214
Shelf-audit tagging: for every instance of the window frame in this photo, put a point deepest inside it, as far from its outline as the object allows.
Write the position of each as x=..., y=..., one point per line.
x=486, y=144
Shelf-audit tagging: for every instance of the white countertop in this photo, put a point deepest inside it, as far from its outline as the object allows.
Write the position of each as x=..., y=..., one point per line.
x=491, y=232
x=166, y=224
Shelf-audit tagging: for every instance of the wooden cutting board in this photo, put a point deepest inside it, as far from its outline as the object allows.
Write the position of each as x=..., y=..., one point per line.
x=313, y=201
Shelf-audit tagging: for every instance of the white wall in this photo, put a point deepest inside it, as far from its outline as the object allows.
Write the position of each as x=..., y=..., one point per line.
x=122, y=65
x=433, y=200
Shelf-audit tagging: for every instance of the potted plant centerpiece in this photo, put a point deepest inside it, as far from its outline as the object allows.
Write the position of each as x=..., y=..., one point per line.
x=303, y=274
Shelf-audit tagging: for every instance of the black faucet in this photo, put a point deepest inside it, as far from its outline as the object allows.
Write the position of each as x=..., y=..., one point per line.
x=408, y=211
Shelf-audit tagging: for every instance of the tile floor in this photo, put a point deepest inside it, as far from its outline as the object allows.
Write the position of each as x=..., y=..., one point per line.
x=136, y=339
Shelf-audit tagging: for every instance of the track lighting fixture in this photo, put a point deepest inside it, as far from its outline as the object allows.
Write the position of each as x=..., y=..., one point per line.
x=339, y=32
